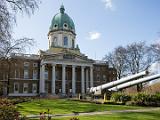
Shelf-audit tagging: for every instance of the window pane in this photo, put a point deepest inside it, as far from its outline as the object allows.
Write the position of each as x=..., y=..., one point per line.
x=35, y=74
x=25, y=88
x=65, y=42
x=34, y=88
x=54, y=42
x=26, y=74
x=16, y=88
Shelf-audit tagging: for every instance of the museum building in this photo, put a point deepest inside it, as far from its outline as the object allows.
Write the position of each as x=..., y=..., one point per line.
x=61, y=70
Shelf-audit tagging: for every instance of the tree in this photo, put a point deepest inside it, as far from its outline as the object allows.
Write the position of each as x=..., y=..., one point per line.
x=132, y=58
x=8, y=13
x=116, y=59
x=15, y=46
x=137, y=59
x=155, y=51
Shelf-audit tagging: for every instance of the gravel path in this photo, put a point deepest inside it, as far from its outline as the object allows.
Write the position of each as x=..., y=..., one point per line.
x=95, y=113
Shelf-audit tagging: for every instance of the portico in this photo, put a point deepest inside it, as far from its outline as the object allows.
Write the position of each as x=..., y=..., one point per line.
x=86, y=77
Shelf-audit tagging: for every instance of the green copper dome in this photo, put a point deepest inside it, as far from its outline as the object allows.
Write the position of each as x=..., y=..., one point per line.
x=62, y=21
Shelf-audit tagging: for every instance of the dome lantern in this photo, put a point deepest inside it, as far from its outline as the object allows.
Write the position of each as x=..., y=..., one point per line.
x=62, y=9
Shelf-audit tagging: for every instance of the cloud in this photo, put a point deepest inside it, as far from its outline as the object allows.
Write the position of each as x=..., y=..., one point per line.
x=94, y=35
x=108, y=4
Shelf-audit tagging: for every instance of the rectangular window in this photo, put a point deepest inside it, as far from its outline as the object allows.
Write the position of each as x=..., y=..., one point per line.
x=4, y=76
x=98, y=77
x=34, y=88
x=16, y=87
x=98, y=68
x=25, y=88
x=26, y=74
x=15, y=73
x=104, y=77
x=35, y=74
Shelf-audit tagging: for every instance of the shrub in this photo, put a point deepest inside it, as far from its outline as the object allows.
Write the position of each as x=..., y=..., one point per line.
x=7, y=110
x=147, y=99
x=116, y=97
x=120, y=97
x=20, y=100
x=125, y=98
x=140, y=98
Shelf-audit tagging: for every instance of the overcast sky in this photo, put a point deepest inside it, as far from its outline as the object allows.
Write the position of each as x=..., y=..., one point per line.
x=101, y=25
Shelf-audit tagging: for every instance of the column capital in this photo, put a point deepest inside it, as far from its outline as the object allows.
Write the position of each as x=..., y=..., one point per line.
x=83, y=67
x=53, y=64
x=42, y=64
x=91, y=67
x=63, y=65
x=74, y=66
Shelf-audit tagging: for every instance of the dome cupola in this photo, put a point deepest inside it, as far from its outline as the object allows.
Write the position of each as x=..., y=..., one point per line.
x=61, y=21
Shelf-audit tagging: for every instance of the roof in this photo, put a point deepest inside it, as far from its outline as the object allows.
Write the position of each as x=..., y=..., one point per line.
x=61, y=21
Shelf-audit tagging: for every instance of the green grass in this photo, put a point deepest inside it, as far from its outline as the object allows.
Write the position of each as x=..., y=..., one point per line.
x=63, y=106
x=153, y=115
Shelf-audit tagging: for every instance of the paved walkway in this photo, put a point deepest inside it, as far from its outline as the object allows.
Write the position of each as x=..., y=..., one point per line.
x=96, y=113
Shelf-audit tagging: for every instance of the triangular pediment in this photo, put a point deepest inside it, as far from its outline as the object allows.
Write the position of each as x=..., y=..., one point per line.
x=65, y=55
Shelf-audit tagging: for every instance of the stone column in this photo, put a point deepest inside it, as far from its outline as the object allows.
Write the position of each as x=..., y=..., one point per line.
x=82, y=80
x=87, y=76
x=63, y=79
x=91, y=76
x=73, y=80
x=42, y=79
x=53, y=79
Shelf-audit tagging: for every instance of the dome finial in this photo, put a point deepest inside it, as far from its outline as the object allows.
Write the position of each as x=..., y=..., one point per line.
x=62, y=9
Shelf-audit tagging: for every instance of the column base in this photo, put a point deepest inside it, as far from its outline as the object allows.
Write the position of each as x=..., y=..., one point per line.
x=42, y=94
x=74, y=95
x=63, y=94
x=53, y=94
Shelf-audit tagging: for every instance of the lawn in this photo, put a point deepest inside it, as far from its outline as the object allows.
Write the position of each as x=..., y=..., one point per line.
x=64, y=106
x=153, y=115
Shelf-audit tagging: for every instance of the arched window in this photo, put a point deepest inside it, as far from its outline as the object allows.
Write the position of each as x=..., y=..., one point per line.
x=72, y=43
x=54, y=42
x=65, y=41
